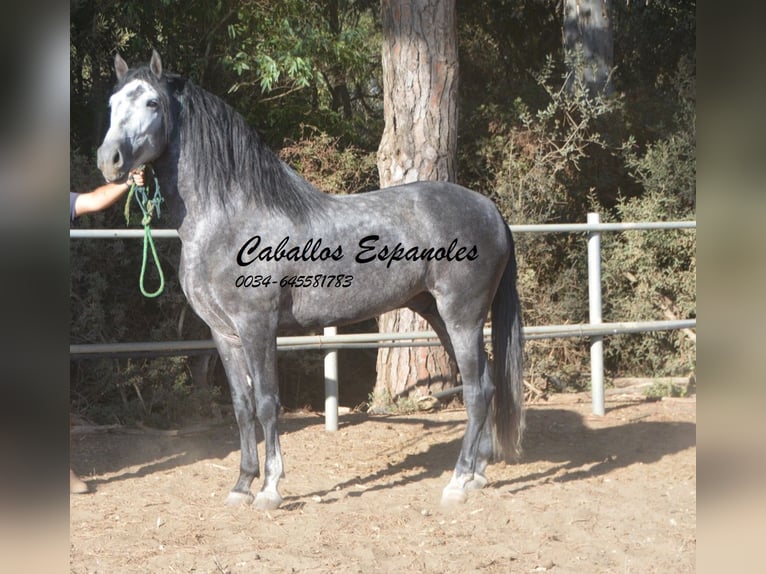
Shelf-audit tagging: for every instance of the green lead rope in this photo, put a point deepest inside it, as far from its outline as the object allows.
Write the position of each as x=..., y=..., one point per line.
x=149, y=208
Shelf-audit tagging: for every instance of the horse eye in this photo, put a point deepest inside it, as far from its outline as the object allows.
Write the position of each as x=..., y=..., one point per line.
x=152, y=104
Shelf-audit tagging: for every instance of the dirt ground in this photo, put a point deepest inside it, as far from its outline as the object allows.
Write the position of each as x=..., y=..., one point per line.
x=591, y=494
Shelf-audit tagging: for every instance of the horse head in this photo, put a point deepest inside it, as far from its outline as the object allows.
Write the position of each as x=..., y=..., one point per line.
x=139, y=124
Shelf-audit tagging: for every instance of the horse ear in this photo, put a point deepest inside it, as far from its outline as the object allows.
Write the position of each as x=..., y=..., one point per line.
x=156, y=64
x=120, y=67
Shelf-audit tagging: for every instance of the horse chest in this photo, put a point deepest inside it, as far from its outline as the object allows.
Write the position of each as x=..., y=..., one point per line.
x=213, y=294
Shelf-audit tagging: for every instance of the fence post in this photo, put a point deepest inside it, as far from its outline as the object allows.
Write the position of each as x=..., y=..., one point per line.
x=331, y=384
x=594, y=309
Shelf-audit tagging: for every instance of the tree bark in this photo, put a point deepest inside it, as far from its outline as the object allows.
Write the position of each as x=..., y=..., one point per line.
x=419, y=142
x=588, y=45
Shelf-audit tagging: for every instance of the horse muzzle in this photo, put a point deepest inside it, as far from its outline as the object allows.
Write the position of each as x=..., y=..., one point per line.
x=112, y=161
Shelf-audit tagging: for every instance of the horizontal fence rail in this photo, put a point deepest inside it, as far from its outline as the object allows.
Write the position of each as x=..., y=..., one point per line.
x=524, y=228
x=330, y=342
x=363, y=340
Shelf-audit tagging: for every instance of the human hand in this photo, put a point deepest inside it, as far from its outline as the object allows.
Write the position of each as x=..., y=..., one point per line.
x=136, y=177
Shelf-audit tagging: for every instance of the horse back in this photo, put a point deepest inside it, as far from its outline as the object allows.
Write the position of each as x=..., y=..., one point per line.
x=354, y=258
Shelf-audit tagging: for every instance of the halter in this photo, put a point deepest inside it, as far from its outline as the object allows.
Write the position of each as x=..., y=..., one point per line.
x=148, y=207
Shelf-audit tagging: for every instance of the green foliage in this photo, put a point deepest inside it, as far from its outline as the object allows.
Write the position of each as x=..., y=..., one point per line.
x=651, y=275
x=537, y=166
x=667, y=166
x=317, y=56
x=275, y=60
x=292, y=45
x=532, y=159
x=652, y=37
x=572, y=153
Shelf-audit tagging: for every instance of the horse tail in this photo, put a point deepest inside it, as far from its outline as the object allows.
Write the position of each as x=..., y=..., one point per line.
x=507, y=353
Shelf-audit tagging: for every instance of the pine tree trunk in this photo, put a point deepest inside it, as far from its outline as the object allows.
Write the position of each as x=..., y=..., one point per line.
x=588, y=45
x=420, y=76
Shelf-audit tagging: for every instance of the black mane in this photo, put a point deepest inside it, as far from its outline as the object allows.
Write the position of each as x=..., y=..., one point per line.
x=225, y=152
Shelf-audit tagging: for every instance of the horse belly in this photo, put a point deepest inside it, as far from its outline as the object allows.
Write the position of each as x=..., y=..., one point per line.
x=347, y=297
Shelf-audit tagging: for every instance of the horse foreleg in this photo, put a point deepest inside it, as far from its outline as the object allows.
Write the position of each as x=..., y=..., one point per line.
x=262, y=363
x=243, y=400
x=268, y=411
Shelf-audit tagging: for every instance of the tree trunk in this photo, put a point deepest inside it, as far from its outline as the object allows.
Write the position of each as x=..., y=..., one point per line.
x=588, y=47
x=420, y=76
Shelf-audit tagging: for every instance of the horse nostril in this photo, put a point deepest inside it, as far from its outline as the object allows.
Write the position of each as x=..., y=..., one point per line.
x=116, y=158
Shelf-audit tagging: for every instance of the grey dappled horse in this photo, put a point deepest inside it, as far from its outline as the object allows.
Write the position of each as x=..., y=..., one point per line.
x=264, y=252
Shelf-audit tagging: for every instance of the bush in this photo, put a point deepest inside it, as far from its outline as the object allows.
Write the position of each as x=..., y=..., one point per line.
x=651, y=275
x=329, y=166
x=567, y=158
x=535, y=166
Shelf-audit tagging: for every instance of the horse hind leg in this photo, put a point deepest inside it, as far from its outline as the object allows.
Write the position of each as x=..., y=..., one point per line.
x=425, y=306
x=478, y=390
x=485, y=448
x=472, y=365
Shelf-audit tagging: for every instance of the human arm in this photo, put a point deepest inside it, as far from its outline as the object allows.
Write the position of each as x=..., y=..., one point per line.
x=106, y=195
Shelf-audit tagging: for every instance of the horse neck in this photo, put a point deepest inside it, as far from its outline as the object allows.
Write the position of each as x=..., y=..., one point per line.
x=198, y=207
x=223, y=168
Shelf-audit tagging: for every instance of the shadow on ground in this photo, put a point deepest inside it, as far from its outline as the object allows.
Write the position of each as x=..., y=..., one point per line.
x=553, y=436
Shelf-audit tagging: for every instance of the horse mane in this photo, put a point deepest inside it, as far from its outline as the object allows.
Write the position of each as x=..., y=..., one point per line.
x=226, y=153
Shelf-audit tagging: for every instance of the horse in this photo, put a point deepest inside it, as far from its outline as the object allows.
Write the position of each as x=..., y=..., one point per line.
x=265, y=253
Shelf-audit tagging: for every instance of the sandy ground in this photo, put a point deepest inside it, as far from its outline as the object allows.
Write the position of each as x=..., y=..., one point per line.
x=591, y=494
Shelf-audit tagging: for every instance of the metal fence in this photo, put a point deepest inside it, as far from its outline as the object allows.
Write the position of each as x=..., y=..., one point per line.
x=330, y=342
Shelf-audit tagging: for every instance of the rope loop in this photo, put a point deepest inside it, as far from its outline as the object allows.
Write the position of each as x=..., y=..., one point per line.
x=149, y=208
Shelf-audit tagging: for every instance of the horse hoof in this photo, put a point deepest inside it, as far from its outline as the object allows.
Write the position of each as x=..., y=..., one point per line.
x=478, y=482
x=267, y=501
x=239, y=498
x=76, y=484
x=453, y=496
